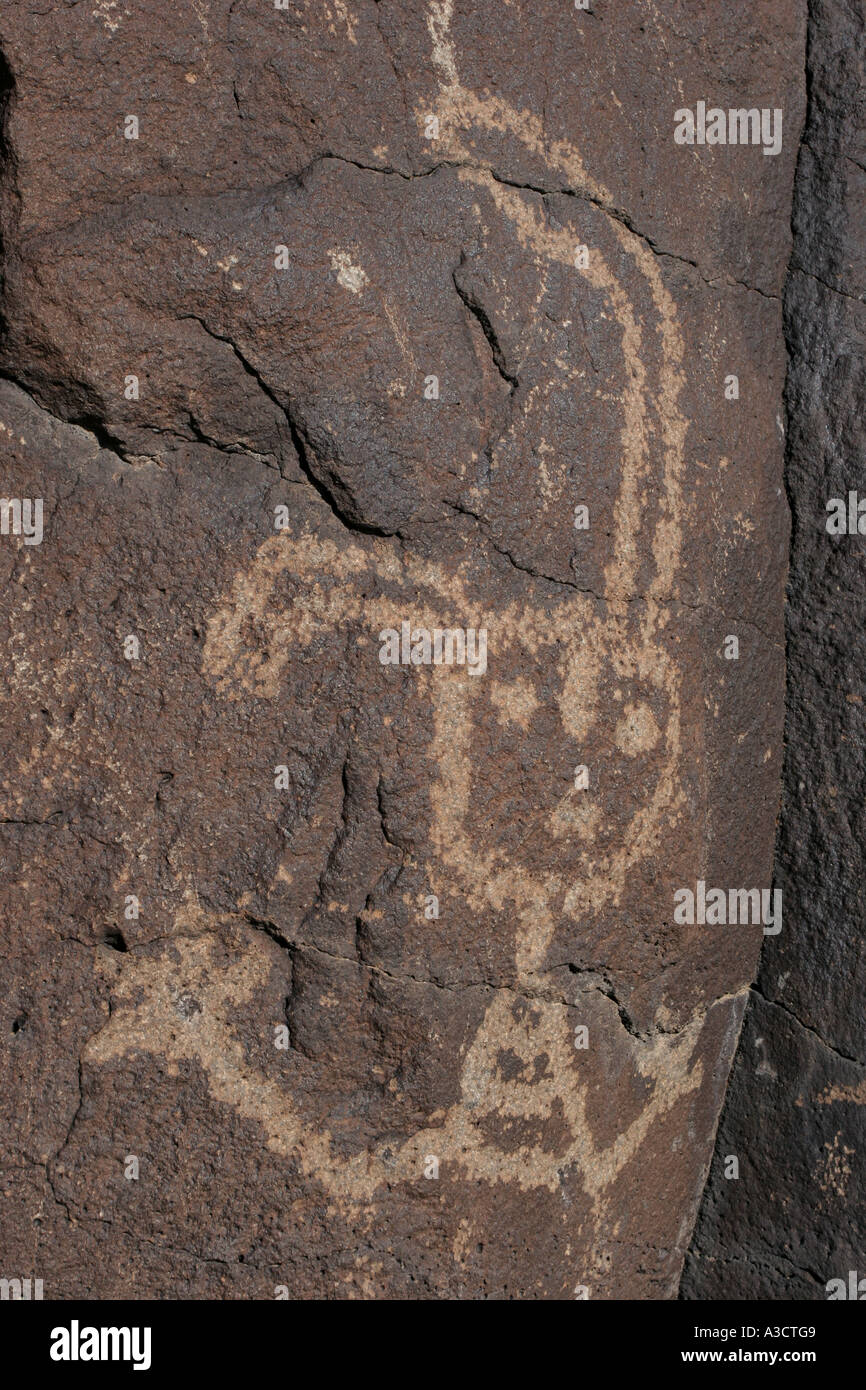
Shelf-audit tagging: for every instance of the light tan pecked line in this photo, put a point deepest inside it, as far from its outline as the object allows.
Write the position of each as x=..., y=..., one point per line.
x=149, y=1017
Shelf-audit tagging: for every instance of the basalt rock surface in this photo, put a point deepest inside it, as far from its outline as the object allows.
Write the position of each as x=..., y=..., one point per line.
x=795, y=1220
x=324, y=975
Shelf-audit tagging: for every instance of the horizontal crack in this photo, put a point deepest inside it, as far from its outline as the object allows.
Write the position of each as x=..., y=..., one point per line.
x=834, y=289
x=775, y=1004
x=299, y=176
x=660, y=601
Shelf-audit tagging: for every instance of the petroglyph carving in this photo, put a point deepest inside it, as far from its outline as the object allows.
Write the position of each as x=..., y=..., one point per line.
x=573, y=643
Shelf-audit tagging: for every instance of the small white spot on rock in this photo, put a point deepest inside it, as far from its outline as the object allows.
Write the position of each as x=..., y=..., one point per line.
x=351, y=277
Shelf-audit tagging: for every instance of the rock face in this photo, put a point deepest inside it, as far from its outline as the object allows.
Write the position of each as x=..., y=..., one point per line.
x=328, y=974
x=794, y=1221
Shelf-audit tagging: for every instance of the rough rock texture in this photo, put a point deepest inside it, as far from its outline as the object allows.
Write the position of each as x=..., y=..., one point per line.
x=796, y=1219
x=412, y=1040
